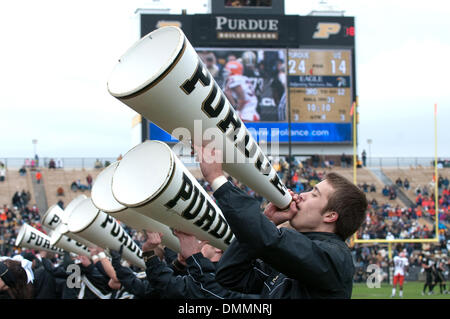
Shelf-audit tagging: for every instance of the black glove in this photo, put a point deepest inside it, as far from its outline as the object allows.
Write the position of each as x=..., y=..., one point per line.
x=67, y=260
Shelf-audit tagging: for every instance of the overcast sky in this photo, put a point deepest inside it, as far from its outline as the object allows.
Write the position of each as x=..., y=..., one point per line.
x=56, y=57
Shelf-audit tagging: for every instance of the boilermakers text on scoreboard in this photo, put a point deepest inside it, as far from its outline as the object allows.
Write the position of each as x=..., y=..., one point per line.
x=301, y=69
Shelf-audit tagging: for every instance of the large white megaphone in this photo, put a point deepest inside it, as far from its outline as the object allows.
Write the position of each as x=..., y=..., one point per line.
x=88, y=222
x=30, y=237
x=162, y=78
x=154, y=182
x=55, y=219
x=52, y=218
x=103, y=199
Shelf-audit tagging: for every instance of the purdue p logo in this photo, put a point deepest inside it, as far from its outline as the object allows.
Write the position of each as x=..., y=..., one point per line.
x=325, y=29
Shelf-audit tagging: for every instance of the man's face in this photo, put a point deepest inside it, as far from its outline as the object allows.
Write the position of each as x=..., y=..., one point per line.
x=310, y=206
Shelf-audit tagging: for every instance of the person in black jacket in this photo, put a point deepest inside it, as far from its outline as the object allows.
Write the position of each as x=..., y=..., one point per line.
x=308, y=260
x=199, y=283
x=137, y=283
x=44, y=283
x=95, y=280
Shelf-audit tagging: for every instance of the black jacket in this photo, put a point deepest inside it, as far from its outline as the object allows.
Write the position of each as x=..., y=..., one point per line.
x=199, y=283
x=279, y=263
x=44, y=282
x=97, y=276
x=141, y=288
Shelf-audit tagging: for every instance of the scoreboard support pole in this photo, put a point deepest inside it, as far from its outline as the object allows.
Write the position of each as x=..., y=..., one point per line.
x=436, y=189
x=289, y=124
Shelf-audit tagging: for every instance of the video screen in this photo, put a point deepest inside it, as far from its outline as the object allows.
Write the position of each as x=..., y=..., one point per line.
x=253, y=80
x=248, y=3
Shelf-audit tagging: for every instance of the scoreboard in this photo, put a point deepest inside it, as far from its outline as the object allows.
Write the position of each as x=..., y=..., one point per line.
x=320, y=85
x=302, y=71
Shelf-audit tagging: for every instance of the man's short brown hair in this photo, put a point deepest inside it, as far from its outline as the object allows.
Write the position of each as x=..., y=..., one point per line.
x=349, y=202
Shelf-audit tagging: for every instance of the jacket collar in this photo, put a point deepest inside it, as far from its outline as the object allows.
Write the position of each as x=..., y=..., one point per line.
x=322, y=236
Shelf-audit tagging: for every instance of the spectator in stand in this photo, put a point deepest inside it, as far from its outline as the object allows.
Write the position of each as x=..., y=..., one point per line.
x=349, y=161
x=419, y=200
x=440, y=182
x=373, y=189
x=38, y=177
x=418, y=190
x=406, y=184
x=399, y=182
x=446, y=183
x=81, y=186
x=76, y=185
x=59, y=163
x=17, y=200
x=343, y=160
x=22, y=171
x=385, y=191
x=35, y=213
x=98, y=164
x=26, y=197
x=364, y=157
x=89, y=181
x=36, y=160
x=2, y=173
x=315, y=160
x=52, y=164
x=365, y=187
x=374, y=203
x=425, y=191
x=392, y=193
x=60, y=191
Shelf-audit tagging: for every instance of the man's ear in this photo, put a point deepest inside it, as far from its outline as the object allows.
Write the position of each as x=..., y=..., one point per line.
x=330, y=217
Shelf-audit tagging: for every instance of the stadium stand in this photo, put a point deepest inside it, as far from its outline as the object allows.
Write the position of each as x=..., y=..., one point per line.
x=15, y=182
x=64, y=178
x=364, y=175
x=417, y=177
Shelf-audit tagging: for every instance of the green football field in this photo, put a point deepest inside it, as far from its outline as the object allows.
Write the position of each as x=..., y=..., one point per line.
x=411, y=290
